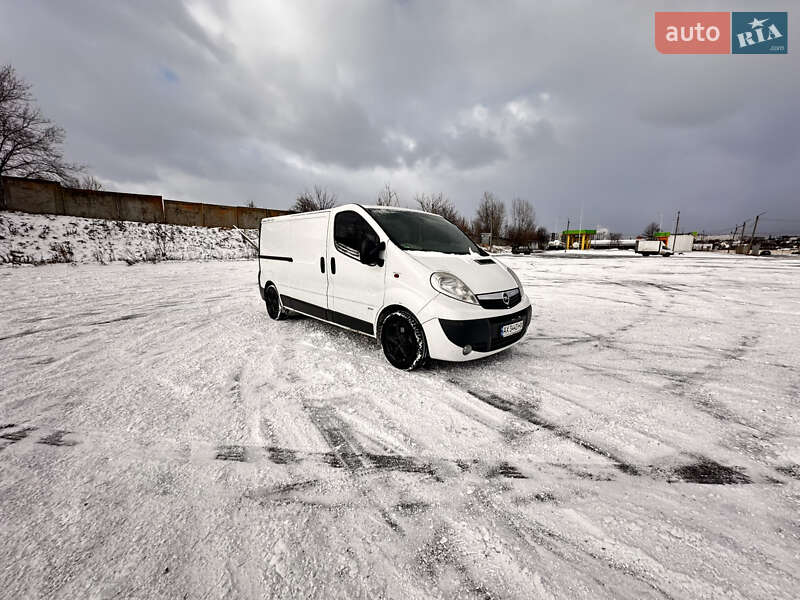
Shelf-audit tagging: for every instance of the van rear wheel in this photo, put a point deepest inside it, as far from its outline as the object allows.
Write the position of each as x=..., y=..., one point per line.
x=275, y=309
x=403, y=341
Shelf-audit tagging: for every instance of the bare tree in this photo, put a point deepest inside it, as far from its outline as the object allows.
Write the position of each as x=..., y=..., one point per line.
x=87, y=182
x=305, y=202
x=30, y=144
x=491, y=215
x=541, y=237
x=615, y=237
x=441, y=205
x=438, y=204
x=387, y=197
x=650, y=230
x=319, y=199
x=522, y=229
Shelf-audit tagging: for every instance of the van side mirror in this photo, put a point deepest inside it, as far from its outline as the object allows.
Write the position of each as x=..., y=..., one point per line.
x=370, y=251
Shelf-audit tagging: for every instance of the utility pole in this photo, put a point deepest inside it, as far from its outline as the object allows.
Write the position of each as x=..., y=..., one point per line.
x=674, y=233
x=753, y=235
x=566, y=235
x=491, y=227
x=741, y=238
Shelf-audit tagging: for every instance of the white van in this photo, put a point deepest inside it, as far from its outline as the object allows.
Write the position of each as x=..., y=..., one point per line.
x=408, y=278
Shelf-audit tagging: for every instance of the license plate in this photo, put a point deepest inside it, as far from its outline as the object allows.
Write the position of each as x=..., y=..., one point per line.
x=511, y=329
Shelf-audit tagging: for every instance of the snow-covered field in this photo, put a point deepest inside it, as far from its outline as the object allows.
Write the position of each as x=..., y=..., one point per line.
x=161, y=438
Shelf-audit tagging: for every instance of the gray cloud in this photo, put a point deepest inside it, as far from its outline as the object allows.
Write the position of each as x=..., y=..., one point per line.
x=566, y=104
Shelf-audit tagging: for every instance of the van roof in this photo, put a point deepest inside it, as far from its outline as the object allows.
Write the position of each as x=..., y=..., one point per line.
x=401, y=208
x=349, y=204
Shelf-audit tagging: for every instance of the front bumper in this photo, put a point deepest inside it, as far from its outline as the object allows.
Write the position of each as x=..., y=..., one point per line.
x=446, y=338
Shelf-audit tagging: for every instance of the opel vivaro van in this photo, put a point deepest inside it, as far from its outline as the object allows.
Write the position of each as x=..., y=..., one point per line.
x=410, y=279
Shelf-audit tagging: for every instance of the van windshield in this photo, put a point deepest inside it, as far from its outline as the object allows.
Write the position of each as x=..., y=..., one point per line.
x=423, y=231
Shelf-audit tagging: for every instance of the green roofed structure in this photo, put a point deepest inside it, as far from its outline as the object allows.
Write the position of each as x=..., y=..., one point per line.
x=583, y=236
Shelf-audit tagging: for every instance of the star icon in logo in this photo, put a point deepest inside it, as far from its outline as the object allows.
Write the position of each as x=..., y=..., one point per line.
x=756, y=23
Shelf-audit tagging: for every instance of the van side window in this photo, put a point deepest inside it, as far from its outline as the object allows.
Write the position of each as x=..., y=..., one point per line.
x=349, y=229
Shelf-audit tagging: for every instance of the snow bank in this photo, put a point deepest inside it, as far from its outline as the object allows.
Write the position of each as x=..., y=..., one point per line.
x=37, y=239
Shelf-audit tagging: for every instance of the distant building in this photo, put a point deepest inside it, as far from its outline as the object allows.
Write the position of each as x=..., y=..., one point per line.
x=578, y=239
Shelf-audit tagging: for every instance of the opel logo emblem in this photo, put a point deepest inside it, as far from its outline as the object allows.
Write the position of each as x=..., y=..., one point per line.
x=505, y=298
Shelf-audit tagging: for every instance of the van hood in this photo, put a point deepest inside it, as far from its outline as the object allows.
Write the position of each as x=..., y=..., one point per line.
x=481, y=278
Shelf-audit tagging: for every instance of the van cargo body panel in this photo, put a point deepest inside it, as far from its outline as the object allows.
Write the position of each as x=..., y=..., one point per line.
x=289, y=253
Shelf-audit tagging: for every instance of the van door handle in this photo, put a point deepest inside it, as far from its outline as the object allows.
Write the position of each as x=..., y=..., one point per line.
x=333, y=265
x=321, y=264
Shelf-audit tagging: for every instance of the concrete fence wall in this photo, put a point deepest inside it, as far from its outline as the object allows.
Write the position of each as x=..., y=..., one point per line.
x=47, y=197
x=215, y=215
x=183, y=213
x=29, y=195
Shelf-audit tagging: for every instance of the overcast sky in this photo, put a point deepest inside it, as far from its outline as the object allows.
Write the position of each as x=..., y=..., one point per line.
x=567, y=104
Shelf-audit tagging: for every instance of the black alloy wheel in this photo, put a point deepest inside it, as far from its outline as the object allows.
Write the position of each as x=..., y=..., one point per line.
x=403, y=341
x=273, y=301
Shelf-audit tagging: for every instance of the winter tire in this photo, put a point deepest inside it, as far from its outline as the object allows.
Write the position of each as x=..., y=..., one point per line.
x=275, y=308
x=403, y=340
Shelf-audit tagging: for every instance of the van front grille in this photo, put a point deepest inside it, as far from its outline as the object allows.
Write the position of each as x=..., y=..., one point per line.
x=496, y=300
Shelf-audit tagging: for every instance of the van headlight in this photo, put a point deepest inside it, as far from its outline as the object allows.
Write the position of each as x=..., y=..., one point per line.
x=519, y=283
x=450, y=285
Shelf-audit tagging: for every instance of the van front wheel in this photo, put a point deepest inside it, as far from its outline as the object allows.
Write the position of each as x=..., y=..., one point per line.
x=274, y=307
x=403, y=340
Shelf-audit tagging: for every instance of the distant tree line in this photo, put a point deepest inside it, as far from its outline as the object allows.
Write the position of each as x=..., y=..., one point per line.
x=518, y=226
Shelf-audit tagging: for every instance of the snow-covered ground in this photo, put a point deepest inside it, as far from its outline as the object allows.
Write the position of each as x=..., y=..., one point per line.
x=162, y=438
x=36, y=239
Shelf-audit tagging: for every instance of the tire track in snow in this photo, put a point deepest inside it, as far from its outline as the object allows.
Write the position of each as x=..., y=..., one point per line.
x=359, y=463
x=56, y=438
x=680, y=379
x=525, y=412
x=538, y=536
x=441, y=553
x=701, y=470
x=28, y=332
x=346, y=452
x=16, y=436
